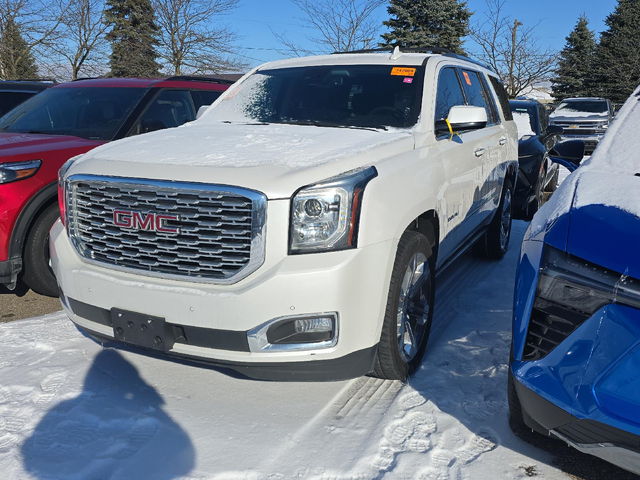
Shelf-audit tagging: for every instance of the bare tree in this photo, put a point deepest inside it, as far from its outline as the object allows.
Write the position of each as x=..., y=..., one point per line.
x=337, y=25
x=192, y=38
x=513, y=52
x=39, y=23
x=82, y=40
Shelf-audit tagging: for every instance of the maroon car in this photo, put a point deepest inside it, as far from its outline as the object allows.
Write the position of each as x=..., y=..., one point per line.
x=66, y=120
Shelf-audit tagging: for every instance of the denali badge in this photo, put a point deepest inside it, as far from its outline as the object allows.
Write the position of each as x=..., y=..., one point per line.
x=153, y=222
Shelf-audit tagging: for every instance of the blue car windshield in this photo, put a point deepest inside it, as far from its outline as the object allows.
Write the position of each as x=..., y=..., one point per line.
x=92, y=113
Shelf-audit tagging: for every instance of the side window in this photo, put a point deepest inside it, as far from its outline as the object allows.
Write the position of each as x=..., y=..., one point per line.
x=168, y=109
x=502, y=97
x=476, y=94
x=449, y=95
x=544, y=118
x=204, y=97
x=494, y=117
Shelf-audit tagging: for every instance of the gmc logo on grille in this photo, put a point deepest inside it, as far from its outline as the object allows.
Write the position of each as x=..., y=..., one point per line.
x=150, y=222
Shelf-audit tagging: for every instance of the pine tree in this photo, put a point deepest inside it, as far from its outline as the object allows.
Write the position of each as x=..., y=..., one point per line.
x=618, y=55
x=427, y=23
x=16, y=60
x=574, y=76
x=133, y=38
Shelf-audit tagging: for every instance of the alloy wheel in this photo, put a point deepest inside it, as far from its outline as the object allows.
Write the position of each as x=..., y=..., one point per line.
x=414, y=306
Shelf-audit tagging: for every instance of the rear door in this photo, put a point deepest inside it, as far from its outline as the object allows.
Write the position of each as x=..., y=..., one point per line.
x=489, y=156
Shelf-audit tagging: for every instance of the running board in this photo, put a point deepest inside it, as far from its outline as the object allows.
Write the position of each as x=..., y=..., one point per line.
x=462, y=250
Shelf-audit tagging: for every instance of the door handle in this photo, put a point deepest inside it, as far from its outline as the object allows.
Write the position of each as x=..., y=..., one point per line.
x=480, y=152
x=503, y=141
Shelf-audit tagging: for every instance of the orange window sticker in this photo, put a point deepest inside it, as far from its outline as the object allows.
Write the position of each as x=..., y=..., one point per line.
x=467, y=78
x=403, y=72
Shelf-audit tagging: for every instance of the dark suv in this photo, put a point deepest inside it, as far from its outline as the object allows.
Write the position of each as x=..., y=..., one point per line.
x=13, y=93
x=69, y=119
x=536, y=173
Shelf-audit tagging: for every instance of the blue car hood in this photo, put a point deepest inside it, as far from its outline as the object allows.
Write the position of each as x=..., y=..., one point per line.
x=595, y=215
x=604, y=222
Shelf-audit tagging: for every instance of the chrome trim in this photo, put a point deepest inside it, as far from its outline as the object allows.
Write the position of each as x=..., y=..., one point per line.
x=620, y=456
x=258, y=342
x=258, y=223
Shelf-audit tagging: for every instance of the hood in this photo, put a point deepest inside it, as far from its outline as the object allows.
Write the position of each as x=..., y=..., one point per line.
x=579, y=117
x=604, y=226
x=27, y=144
x=273, y=159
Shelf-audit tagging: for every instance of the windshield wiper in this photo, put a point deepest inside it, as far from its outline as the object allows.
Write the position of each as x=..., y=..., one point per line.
x=246, y=123
x=318, y=123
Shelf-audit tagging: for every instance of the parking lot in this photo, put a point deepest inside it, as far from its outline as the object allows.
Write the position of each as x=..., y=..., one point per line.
x=450, y=418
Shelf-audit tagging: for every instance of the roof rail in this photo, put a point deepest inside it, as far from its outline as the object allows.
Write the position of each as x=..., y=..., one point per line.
x=435, y=50
x=35, y=80
x=194, y=78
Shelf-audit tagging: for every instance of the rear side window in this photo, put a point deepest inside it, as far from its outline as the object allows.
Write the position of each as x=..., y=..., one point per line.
x=449, y=95
x=503, y=98
x=204, y=97
x=476, y=94
x=10, y=100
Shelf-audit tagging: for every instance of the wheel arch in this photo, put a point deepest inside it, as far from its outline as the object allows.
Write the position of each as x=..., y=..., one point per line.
x=428, y=224
x=42, y=200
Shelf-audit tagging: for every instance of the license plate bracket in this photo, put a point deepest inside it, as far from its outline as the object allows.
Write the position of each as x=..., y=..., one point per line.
x=141, y=330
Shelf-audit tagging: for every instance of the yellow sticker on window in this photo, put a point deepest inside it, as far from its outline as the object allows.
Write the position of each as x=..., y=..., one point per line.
x=403, y=72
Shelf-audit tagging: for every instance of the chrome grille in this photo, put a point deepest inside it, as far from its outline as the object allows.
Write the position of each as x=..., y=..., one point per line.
x=218, y=230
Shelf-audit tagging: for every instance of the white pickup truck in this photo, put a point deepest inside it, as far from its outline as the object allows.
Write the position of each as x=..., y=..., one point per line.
x=294, y=230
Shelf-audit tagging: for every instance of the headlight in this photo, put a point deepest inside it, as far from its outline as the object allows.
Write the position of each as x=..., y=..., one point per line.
x=325, y=216
x=61, y=187
x=602, y=127
x=582, y=287
x=11, y=172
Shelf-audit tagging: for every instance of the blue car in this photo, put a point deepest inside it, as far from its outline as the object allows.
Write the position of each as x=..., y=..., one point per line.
x=575, y=362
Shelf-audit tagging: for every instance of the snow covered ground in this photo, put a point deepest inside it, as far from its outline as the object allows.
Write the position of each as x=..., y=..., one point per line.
x=73, y=410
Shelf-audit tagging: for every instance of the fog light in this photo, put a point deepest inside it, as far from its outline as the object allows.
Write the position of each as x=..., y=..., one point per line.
x=303, y=332
x=314, y=325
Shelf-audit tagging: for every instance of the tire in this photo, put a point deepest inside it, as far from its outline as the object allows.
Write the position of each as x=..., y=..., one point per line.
x=553, y=184
x=37, y=273
x=393, y=362
x=495, y=243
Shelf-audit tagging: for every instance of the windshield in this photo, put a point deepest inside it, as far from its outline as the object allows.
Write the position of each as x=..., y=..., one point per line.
x=583, y=106
x=525, y=120
x=86, y=112
x=371, y=96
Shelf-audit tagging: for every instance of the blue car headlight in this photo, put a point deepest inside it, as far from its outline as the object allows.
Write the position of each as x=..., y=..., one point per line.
x=569, y=291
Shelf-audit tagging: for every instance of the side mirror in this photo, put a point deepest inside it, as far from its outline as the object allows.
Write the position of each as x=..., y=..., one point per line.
x=201, y=111
x=554, y=130
x=569, y=154
x=464, y=117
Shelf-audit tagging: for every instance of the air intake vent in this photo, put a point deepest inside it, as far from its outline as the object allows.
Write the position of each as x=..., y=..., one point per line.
x=549, y=326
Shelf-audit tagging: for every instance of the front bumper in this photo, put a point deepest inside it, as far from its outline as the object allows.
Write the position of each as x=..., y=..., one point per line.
x=586, y=390
x=590, y=141
x=218, y=318
x=588, y=436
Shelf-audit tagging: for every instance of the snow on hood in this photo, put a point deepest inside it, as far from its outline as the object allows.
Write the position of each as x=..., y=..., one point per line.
x=244, y=146
x=570, y=114
x=607, y=178
x=257, y=156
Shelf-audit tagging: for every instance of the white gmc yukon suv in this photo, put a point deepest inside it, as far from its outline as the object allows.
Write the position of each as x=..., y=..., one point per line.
x=295, y=229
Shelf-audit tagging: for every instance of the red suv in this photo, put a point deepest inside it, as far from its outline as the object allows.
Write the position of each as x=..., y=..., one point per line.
x=66, y=120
